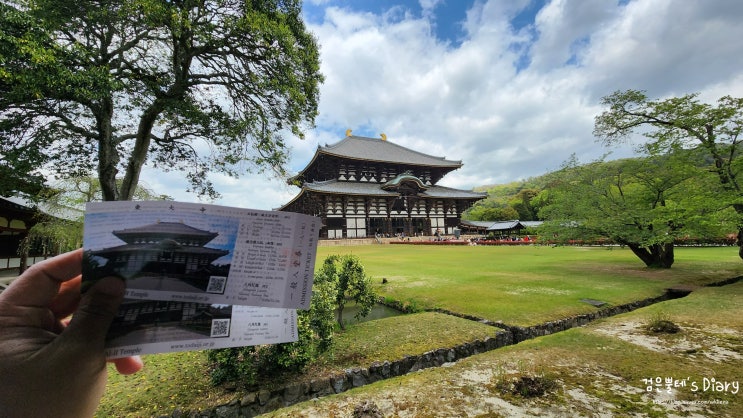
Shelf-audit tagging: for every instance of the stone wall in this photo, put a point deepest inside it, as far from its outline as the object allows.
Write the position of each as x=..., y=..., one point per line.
x=262, y=401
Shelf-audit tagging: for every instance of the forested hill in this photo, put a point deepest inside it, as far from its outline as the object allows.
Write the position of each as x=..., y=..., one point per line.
x=522, y=200
x=509, y=201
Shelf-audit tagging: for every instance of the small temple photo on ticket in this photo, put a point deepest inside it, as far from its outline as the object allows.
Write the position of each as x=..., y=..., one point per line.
x=166, y=255
x=186, y=252
x=200, y=276
x=147, y=327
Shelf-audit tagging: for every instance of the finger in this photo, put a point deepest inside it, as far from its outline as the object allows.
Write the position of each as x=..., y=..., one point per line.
x=67, y=299
x=128, y=365
x=38, y=285
x=93, y=317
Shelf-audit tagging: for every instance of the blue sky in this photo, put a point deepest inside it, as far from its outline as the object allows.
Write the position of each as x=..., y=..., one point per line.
x=447, y=17
x=511, y=88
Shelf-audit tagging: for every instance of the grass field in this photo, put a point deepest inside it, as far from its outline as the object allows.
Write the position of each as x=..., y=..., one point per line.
x=530, y=285
x=600, y=370
x=516, y=285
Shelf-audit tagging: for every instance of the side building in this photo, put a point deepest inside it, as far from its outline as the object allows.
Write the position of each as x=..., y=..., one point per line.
x=362, y=187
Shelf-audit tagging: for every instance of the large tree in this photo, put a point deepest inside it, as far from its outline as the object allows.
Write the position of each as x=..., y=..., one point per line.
x=644, y=204
x=683, y=123
x=107, y=86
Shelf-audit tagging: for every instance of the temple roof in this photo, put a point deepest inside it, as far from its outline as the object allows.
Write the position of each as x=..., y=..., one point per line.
x=376, y=149
x=163, y=230
x=501, y=225
x=169, y=228
x=375, y=190
x=157, y=247
x=406, y=177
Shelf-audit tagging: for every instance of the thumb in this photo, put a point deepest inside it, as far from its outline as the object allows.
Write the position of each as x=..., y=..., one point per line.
x=97, y=309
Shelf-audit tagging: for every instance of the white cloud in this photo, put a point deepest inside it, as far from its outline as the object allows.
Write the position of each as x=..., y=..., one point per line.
x=257, y=191
x=471, y=103
x=481, y=103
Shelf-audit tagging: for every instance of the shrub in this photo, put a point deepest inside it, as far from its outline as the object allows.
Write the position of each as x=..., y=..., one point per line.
x=314, y=335
x=662, y=324
x=352, y=283
x=232, y=364
x=528, y=382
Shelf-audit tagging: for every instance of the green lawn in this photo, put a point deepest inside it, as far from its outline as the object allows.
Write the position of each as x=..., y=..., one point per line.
x=594, y=373
x=529, y=285
x=517, y=285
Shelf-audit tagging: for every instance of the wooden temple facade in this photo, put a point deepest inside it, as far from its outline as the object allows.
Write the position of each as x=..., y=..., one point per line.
x=365, y=187
x=171, y=248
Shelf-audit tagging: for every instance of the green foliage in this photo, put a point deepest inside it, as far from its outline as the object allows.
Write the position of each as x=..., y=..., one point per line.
x=661, y=323
x=232, y=364
x=481, y=212
x=315, y=328
x=291, y=356
x=88, y=89
x=509, y=201
x=644, y=203
x=54, y=235
x=521, y=203
x=322, y=312
x=352, y=284
x=683, y=123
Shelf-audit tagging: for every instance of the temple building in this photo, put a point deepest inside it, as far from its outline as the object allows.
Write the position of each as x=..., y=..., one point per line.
x=171, y=248
x=138, y=315
x=364, y=187
x=17, y=217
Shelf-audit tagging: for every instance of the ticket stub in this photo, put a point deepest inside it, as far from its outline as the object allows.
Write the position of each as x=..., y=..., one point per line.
x=189, y=252
x=147, y=326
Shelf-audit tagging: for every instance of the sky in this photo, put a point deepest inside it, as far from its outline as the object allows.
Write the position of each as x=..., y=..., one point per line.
x=509, y=87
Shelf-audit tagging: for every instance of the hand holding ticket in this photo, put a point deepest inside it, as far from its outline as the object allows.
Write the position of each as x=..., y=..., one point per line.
x=200, y=276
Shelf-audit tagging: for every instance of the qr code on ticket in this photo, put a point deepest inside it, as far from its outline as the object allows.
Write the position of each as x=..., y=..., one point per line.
x=220, y=327
x=216, y=284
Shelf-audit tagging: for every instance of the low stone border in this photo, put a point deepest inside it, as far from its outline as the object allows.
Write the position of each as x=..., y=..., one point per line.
x=263, y=401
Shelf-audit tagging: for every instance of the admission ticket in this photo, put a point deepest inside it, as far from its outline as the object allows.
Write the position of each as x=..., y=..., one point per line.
x=187, y=252
x=200, y=276
x=146, y=327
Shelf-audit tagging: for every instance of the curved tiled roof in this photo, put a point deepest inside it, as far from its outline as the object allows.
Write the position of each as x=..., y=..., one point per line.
x=171, y=228
x=129, y=248
x=376, y=149
x=395, y=183
x=374, y=189
x=506, y=225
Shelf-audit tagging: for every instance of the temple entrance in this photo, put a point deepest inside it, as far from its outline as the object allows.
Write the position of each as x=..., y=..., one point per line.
x=391, y=227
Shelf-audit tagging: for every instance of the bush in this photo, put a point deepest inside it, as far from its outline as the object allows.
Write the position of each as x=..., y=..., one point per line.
x=351, y=283
x=662, y=324
x=314, y=335
x=232, y=364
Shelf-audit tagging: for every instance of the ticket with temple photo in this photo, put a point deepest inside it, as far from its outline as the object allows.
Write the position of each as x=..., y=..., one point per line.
x=151, y=326
x=207, y=254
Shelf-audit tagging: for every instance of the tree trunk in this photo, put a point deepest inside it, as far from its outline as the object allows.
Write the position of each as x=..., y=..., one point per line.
x=138, y=155
x=654, y=256
x=108, y=156
x=340, y=318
